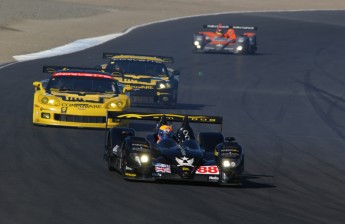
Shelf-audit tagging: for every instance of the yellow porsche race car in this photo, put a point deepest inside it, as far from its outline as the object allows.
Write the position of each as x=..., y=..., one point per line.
x=78, y=98
x=152, y=82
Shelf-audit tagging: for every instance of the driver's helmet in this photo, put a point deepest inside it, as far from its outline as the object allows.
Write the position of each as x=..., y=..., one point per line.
x=219, y=30
x=117, y=68
x=165, y=131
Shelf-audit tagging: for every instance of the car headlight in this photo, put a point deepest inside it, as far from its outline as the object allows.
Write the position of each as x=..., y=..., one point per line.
x=49, y=101
x=196, y=43
x=239, y=48
x=142, y=158
x=116, y=104
x=165, y=85
x=44, y=100
x=227, y=163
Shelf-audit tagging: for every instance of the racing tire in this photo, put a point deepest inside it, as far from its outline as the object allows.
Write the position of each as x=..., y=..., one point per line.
x=109, y=162
x=196, y=51
x=123, y=161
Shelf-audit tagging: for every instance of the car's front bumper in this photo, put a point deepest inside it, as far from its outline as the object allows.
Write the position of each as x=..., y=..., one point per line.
x=75, y=118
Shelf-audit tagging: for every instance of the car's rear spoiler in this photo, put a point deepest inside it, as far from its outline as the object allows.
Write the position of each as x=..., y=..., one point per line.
x=167, y=59
x=230, y=26
x=53, y=68
x=205, y=119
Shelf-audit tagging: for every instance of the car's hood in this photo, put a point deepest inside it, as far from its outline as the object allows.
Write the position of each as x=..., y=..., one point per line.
x=180, y=156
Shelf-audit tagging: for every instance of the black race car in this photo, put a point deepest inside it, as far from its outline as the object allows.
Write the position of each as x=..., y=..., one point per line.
x=210, y=158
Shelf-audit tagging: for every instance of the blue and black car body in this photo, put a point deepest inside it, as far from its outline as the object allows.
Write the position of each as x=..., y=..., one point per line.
x=210, y=157
x=151, y=81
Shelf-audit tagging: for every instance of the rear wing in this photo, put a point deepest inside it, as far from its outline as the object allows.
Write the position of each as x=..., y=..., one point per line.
x=53, y=68
x=166, y=59
x=230, y=26
x=205, y=119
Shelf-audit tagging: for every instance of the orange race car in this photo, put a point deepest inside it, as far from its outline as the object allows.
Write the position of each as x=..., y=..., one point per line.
x=225, y=40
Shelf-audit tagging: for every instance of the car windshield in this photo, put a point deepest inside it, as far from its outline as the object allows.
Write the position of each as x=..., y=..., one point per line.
x=82, y=84
x=148, y=68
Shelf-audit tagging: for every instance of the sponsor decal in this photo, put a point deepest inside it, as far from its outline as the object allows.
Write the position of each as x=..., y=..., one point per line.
x=230, y=150
x=172, y=117
x=69, y=98
x=130, y=174
x=141, y=87
x=162, y=168
x=84, y=106
x=132, y=80
x=213, y=178
x=207, y=170
x=139, y=145
x=184, y=161
x=185, y=169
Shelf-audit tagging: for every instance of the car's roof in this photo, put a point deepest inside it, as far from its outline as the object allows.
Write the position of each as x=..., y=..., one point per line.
x=138, y=58
x=83, y=73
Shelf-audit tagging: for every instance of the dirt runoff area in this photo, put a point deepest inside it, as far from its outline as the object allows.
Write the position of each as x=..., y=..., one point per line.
x=29, y=26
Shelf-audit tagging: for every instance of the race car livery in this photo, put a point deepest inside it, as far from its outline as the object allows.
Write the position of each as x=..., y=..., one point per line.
x=78, y=98
x=225, y=40
x=151, y=81
x=210, y=158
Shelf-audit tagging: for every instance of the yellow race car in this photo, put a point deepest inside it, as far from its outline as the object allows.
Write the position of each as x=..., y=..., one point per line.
x=151, y=81
x=78, y=98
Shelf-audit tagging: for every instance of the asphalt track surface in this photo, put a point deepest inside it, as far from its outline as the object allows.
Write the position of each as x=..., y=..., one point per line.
x=285, y=105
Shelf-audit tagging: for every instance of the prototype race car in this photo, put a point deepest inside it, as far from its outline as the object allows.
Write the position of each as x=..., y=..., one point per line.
x=180, y=156
x=225, y=40
x=152, y=83
x=78, y=98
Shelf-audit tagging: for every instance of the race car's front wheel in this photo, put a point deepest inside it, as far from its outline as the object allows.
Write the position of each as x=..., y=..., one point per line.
x=110, y=160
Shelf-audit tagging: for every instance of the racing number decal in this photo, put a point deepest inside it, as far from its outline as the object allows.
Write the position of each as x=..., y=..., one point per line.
x=208, y=170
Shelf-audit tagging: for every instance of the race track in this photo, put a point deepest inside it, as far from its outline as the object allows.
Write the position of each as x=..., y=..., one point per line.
x=285, y=105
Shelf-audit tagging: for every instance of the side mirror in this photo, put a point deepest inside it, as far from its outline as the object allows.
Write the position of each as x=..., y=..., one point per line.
x=126, y=89
x=101, y=67
x=37, y=85
x=176, y=73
